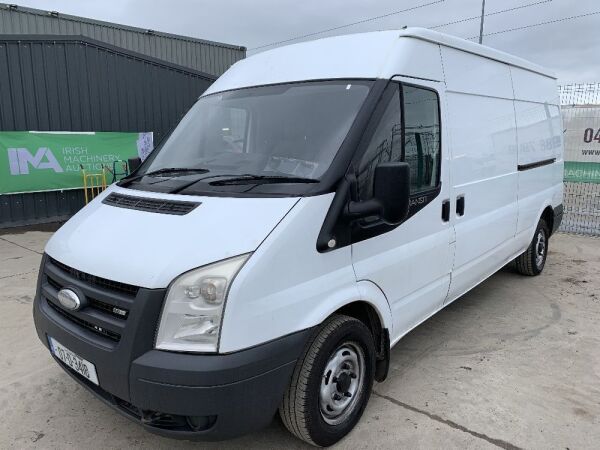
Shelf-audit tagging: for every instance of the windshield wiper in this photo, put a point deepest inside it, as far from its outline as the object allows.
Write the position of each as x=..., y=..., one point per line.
x=163, y=171
x=263, y=179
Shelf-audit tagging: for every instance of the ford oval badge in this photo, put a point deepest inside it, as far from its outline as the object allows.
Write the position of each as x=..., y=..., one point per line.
x=69, y=299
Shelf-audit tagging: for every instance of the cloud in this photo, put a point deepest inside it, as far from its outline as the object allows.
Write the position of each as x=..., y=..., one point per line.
x=570, y=47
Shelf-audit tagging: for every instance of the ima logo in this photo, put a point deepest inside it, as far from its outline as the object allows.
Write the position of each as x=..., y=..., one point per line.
x=20, y=159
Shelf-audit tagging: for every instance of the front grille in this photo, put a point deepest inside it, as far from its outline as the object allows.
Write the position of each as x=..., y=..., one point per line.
x=97, y=281
x=119, y=313
x=154, y=205
x=55, y=284
x=115, y=311
x=115, y=337
x=107, y=303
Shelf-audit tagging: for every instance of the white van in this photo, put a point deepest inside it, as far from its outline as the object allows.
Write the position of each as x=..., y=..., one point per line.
x=315, y=205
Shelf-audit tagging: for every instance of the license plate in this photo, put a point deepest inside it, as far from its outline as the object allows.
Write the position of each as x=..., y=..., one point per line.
x=74, y=361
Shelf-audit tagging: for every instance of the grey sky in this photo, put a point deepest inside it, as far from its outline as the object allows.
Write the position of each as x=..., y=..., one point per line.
x=571, y=47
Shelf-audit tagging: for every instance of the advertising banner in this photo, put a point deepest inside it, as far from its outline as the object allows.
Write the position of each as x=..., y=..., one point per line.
x=32, y=161
x=582, y=144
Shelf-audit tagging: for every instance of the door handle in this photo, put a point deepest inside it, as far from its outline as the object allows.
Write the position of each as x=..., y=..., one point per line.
x=460, y=206
x=446, y=211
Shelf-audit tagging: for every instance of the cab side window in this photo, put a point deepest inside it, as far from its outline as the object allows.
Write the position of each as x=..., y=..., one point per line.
x=421, y=137
x=407, y=131
x=385, y=144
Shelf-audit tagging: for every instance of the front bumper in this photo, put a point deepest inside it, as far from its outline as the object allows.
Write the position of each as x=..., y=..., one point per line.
x=188, y=396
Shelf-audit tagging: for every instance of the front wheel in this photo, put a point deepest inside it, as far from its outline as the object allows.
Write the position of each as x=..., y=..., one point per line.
x=332, y=382
x=533, y=260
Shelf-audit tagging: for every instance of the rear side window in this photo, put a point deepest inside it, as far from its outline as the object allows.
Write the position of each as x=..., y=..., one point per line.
x=408, y=130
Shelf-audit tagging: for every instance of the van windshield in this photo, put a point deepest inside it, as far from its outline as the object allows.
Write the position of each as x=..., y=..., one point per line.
x=292, y=130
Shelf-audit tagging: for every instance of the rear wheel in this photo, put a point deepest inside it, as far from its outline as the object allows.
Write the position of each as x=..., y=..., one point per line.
x=533, y=260
x=332, y=382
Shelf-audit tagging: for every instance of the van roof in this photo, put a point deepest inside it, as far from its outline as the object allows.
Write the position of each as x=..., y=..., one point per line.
x=474, y=48
x=371, y=55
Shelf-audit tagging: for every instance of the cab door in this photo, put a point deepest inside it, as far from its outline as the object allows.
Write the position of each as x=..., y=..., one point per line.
x=411, y=262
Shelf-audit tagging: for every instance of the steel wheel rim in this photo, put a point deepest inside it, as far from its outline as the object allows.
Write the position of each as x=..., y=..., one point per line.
x=342, y=383
x=540, y=248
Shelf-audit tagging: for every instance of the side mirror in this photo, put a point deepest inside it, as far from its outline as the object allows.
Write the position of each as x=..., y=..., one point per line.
x=391, y=187
x=391, y=191
x=134, y=163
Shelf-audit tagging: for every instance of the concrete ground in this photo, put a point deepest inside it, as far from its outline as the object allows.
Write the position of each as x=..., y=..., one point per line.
x=513, y=364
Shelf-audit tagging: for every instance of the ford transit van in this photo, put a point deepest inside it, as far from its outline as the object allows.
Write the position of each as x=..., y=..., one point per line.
x=316, y=204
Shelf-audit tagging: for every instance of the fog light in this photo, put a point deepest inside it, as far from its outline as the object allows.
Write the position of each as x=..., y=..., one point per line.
x=201, y=423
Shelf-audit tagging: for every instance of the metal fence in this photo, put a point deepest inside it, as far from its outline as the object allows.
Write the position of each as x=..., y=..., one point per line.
x=581, y=118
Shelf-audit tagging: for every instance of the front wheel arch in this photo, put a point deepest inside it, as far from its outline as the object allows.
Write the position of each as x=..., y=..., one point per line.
x=368, y=315
x=548, y=217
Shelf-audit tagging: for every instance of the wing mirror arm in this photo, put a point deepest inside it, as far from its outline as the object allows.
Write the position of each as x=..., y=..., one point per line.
x=359, y=210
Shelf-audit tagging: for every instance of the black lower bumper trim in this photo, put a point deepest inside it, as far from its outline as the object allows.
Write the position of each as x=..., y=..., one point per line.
x=233, y=393
x=204, y=413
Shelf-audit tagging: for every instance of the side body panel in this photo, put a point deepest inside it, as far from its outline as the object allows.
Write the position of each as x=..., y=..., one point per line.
x=483, y=147
x=288, y=286
x=540, y=136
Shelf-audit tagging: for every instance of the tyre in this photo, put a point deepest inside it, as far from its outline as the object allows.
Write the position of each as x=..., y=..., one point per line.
x=332, y=382
x=533, y=260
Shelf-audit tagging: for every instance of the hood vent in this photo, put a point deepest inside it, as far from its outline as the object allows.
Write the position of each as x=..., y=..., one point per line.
x=154, y=205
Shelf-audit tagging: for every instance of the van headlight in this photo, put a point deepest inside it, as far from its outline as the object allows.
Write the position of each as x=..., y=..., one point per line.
x=192, y=313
